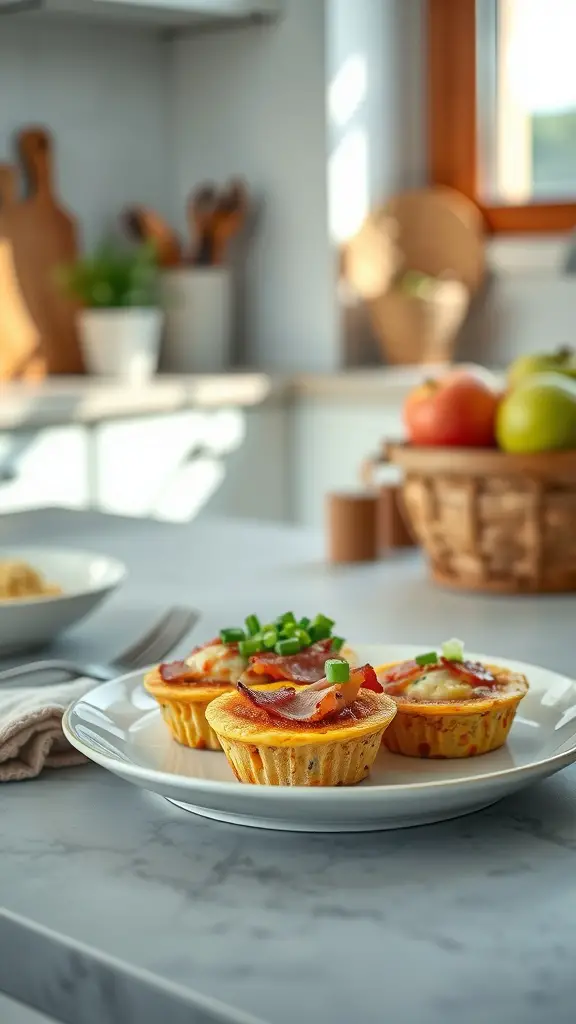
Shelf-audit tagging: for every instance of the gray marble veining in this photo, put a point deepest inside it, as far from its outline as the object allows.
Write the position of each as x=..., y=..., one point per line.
x=284, y=925
x=471, y=920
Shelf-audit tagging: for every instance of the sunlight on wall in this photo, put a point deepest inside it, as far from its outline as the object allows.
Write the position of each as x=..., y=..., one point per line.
x=224, y=430
x=348, y=185
x=194, y=483
x=348, y=90
x=348, y=170
x=143, y=467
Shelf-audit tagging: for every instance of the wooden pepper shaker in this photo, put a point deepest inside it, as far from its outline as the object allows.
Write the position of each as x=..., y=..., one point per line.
x=352, y=524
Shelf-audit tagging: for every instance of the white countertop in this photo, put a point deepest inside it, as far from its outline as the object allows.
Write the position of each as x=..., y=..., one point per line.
x=470, y=920
x=85, y=400
x=89, y=400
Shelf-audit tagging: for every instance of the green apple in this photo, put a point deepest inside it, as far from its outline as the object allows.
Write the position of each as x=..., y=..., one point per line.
x=538, y=415
x=563, y=360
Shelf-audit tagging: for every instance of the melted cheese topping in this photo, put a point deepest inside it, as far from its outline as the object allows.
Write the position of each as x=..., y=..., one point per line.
x=218, y=663
x=440, y=685
x=440, y=692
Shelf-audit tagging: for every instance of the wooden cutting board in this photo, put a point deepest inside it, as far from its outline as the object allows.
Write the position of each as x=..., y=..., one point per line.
x=42, y=236
x=20, y=356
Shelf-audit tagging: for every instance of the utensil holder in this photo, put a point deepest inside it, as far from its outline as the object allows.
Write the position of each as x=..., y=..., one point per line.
x=198, y=309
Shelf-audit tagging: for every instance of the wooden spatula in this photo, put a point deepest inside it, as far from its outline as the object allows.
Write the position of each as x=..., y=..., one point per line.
x=43, y=237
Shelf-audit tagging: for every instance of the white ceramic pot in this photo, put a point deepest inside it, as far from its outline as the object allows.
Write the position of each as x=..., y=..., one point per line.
x=198, y=306
x=121, y=343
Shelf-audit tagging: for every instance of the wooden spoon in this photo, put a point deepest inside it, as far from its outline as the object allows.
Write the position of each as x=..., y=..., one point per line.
x=145, y=225
x=201, y=212
x=230, y=219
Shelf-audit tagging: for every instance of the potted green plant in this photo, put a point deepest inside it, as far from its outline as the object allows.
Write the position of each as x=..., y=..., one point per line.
x=120, y=319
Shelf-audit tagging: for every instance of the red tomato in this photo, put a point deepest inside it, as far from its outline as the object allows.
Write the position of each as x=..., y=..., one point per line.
x=460, y=409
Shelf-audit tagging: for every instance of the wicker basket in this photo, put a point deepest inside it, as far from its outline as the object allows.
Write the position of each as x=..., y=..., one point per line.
x=413, y=330
x=491, y=521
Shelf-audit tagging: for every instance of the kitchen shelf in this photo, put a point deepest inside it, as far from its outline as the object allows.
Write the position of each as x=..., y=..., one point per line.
x=189, y=15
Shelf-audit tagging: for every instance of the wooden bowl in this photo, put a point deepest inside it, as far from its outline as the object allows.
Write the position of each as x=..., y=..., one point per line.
x=489, y=521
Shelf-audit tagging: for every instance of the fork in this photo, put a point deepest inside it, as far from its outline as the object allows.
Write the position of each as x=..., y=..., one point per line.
x=156, y=643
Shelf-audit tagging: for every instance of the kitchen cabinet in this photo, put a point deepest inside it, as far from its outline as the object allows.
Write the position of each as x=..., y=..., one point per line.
x=156, y=13
x=331, y=439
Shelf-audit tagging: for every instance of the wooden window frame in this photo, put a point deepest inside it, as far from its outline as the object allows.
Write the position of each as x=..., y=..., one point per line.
x=452, y=123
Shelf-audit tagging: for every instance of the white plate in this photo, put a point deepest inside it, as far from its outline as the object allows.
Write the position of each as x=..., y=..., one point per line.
x=85, y=578
x=118, y=725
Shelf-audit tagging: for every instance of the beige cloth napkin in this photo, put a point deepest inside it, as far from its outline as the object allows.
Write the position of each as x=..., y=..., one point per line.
x=31, y=736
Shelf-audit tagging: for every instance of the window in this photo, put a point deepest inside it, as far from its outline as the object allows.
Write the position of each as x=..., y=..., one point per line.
x=503, y=108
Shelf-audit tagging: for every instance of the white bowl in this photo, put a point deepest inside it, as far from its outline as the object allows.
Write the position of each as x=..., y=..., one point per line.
x=85, y=578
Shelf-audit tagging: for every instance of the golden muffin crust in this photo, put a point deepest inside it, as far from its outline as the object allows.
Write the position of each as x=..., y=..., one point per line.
x=233, y=716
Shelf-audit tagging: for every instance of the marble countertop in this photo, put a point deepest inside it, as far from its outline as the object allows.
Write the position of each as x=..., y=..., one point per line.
x=129, y=909
x=90, y=400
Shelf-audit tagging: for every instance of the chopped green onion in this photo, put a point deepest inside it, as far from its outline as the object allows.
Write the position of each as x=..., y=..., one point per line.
x=249, y=647
x=338, y=643
x=304, y=623
x=322, y=622
x=252, y=624
x=337, y=670
x=288, y=617
x=289, y=629
x=303, y=637
x=270, y=638
x=289, y=646
x=427, y=659
x=232, y=636
x=453, y=650
x=319, y=633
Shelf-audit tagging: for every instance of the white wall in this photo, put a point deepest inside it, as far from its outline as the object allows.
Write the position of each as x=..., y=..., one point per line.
x=105, y=94
x=521, y=313
x=376, y=120
x=252, y=102
x=332, y=438
x=411, y=91
x=376, y=100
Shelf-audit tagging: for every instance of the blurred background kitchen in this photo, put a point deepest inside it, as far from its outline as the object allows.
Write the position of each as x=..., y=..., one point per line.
x=225, y=259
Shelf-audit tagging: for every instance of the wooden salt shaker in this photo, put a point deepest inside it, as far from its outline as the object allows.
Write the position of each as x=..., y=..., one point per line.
x=352, y=522
x=393, y=531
